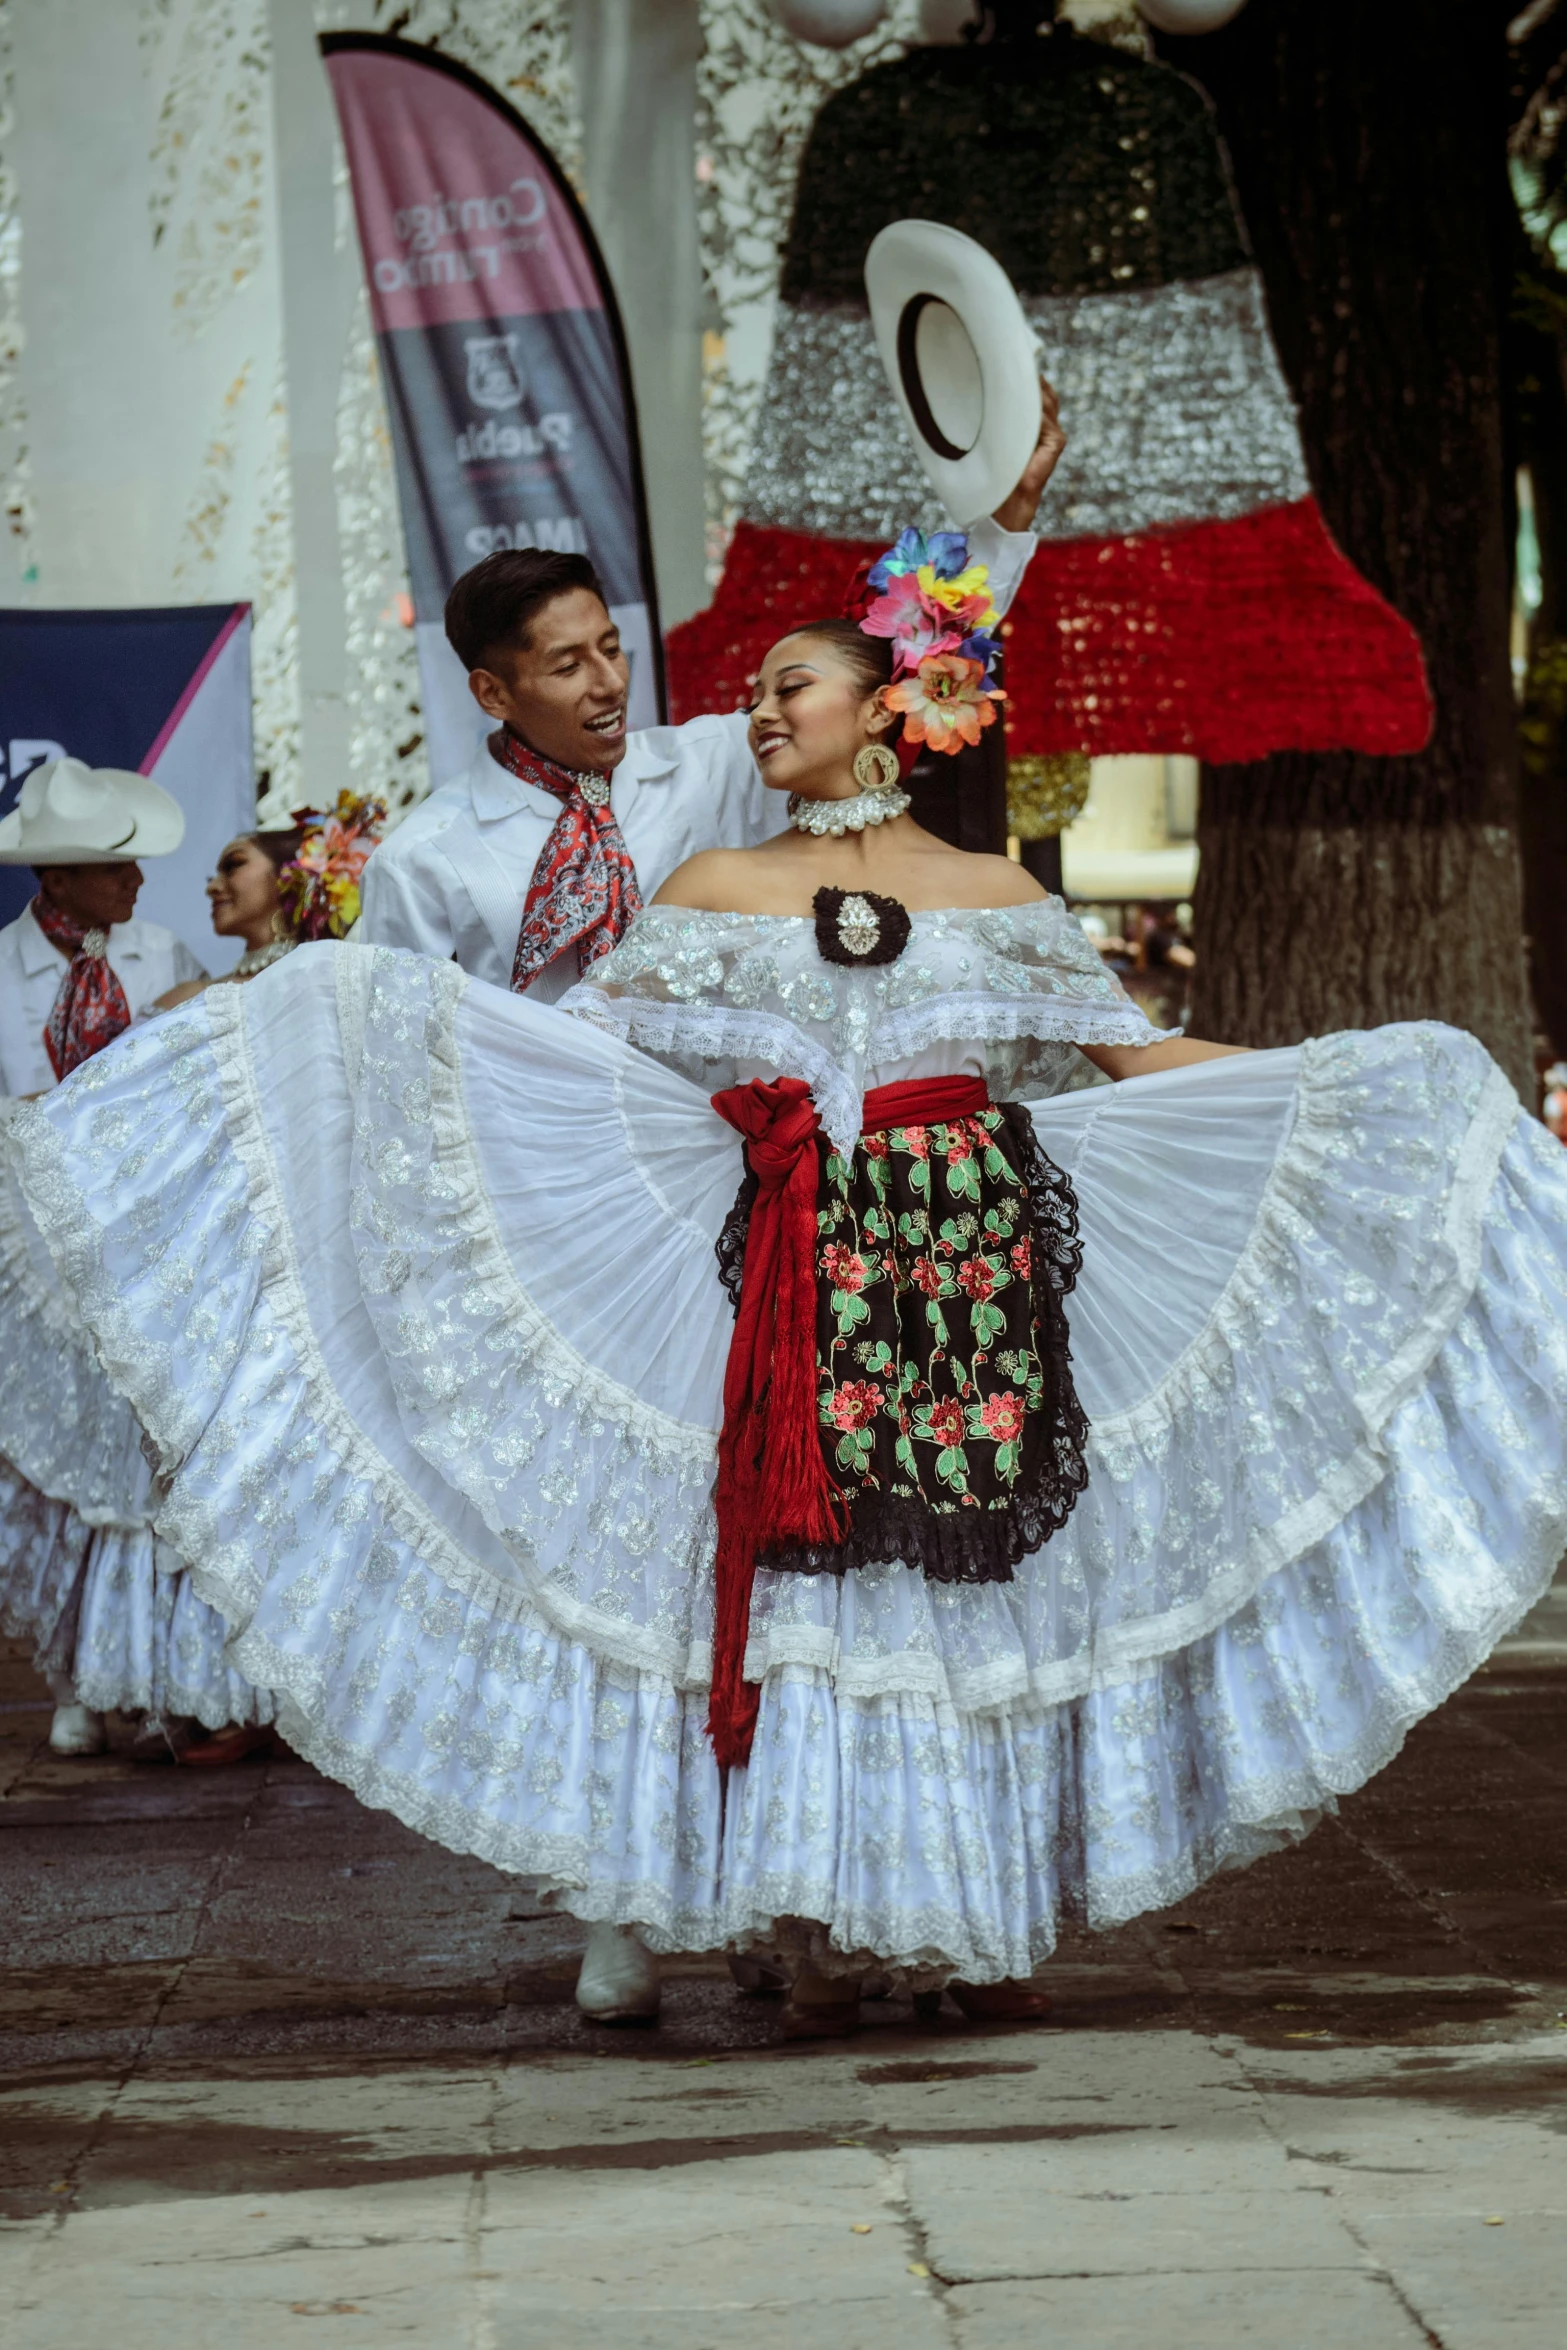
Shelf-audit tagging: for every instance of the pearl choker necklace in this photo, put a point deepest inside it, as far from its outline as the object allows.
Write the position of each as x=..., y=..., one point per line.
x=256, y=959
x=836, y=817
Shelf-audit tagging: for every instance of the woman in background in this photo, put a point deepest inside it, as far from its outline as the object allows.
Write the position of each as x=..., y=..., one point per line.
x=277, y=888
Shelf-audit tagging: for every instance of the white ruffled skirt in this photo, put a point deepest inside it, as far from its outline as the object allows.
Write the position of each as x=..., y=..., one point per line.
x=106, y=1606
x=412, y=1284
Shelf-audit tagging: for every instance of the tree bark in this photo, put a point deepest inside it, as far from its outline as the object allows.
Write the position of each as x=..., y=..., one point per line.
x=1540, y=354
x=1337, y=890
x=961, y=796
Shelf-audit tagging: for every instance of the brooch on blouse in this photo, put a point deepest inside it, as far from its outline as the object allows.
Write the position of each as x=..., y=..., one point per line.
x=857, y=926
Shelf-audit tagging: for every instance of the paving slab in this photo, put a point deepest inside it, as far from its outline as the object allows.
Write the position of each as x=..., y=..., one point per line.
x=1282, y=2310
x=806, y=2232
x=1476, y=2285
x=242, y=2273
x=1039, y=2211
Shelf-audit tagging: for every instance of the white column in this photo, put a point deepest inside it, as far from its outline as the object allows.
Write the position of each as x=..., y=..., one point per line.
x=318, y=282
x=635, y=63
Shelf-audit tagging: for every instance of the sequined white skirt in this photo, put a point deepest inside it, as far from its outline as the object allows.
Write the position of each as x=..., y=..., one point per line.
x=413, y=1285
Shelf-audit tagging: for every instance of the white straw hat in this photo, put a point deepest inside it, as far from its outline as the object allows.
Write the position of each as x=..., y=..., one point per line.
x=960, y=357
x=70, y=814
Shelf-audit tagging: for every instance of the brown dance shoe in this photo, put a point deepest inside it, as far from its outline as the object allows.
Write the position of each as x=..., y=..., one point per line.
x=820, y=2007
x=1000, y=2003
x=819, y=2019
x=233, y=1745
x=757, y=1977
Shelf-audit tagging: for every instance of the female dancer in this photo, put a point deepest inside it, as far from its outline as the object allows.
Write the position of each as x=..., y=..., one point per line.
x=956, y=1458
x=112, y=1615
x=866, y=1623
x=294, y=882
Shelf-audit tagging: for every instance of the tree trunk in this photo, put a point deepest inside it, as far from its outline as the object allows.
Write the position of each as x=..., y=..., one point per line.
x=961, y=796
x=1541, y=358
x=1337, y=890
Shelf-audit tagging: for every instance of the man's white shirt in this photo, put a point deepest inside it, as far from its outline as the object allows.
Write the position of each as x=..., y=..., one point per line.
x=146, y=959
x=452, y=880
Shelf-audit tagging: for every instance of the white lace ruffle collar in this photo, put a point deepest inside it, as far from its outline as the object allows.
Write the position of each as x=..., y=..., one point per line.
x=748, y=987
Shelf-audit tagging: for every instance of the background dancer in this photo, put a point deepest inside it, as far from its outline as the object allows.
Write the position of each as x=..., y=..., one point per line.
x=293, y=883
x=76, y=966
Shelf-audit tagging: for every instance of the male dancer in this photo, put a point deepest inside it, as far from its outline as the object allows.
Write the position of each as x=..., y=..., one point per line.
x=531, y=865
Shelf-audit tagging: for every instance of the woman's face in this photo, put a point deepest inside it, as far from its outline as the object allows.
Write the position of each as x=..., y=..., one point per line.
x=810, y=716
x=243, y=894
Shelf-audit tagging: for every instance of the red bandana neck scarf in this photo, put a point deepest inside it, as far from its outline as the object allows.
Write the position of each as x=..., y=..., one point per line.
x=584, y=889
x=90, y=1010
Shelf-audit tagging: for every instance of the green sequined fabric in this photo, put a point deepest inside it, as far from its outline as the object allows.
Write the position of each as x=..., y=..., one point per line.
x=948, y=1415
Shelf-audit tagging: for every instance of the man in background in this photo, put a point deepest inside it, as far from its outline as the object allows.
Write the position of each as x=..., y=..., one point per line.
x=76, y=966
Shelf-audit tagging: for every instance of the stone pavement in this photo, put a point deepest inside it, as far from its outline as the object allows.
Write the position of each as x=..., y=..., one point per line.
x=275, y=2071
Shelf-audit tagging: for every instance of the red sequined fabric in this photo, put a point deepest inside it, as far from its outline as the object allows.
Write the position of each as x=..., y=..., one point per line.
x=1227, y=640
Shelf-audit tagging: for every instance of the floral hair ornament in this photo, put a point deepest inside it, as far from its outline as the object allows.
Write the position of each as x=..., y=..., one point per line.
x=936, y=609
x=318, y=889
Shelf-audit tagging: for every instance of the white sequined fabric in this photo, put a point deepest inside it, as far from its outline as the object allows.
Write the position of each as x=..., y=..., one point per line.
x=1015, y=989
x=1176, y=406
x=432, y=1347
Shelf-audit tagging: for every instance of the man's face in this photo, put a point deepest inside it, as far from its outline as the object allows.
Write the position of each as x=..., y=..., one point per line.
x=97, y=896
x=564, y=691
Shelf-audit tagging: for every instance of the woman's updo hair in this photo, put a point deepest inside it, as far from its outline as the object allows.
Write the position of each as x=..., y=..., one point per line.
x=870, y=657
x=281, y=847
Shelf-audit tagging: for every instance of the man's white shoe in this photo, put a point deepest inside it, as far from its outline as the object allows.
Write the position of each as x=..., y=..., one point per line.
x=619, y=1982
x=77, y=1730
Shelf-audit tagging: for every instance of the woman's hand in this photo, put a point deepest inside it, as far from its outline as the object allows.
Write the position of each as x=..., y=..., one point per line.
x=1017, y=512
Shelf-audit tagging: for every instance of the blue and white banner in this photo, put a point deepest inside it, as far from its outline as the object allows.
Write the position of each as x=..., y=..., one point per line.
x=165, y=693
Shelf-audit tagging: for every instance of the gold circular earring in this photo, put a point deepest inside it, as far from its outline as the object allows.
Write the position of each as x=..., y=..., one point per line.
x=876, y=767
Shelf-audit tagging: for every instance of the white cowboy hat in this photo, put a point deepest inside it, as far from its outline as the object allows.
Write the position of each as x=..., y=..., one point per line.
x=961, y=360
x=69, y=814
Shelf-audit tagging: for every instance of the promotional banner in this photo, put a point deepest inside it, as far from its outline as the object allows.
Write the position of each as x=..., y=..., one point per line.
x=164, y=693
x=506, y=372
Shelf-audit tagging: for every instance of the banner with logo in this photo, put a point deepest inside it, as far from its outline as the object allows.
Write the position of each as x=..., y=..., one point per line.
x=165, y=693
x=505, y=366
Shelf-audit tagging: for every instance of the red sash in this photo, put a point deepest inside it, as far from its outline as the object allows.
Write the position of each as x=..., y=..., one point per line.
x=774, y=1486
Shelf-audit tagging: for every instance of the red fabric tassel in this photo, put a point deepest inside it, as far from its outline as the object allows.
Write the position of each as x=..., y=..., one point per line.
x=773, y=1481
x=774, y=1485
